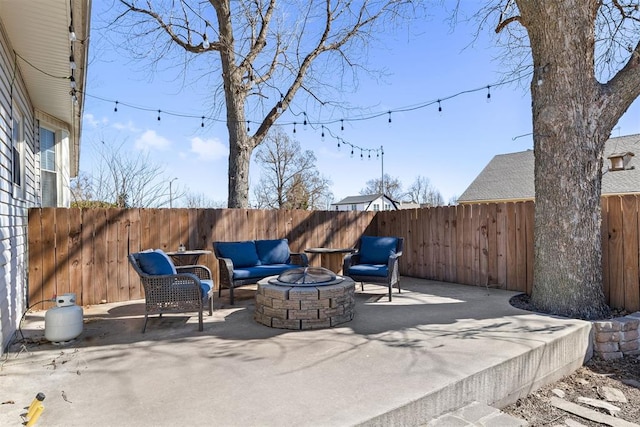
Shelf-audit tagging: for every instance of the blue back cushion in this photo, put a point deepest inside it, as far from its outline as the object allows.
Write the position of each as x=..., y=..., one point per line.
x=376, y=250
x=242, y=254
x=155, y=263
x=273, y=251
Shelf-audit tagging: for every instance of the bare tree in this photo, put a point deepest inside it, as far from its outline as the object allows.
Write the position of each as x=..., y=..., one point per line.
x=123, y=179
x=201, y=200
x=423, y=193
x=586, y=73
x=392, y=187
x=267, y=51
x=290, y=179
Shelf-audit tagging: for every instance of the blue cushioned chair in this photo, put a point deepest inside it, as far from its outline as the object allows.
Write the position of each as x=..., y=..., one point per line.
x=171, y=289
x=375, y=261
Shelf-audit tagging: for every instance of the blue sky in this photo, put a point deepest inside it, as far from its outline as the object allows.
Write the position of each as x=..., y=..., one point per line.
x=431, y=62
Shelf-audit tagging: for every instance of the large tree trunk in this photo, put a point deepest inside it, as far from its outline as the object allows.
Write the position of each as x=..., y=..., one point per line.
x=569, y=137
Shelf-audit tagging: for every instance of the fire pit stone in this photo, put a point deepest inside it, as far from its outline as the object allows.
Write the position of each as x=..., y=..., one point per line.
x=291, y=306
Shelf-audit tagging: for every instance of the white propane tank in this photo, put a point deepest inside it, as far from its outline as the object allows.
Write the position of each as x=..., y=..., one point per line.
x=64, y=322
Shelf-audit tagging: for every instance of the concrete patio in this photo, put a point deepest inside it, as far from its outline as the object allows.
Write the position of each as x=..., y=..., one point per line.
x=435, y=348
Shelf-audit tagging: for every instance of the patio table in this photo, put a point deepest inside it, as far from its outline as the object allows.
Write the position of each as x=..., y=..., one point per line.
x=190, y=257
x=331, y=258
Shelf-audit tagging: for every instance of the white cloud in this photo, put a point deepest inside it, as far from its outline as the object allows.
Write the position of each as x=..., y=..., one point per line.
x=150, y=140
x=208, y=149
x=91, y=120
x=126, y=126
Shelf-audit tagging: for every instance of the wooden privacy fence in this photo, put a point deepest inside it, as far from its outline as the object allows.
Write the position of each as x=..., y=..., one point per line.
x=84, y=251
x=481, y=244
x=492, y=245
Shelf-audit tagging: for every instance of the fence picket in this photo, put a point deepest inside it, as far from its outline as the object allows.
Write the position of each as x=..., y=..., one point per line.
x=84, y=250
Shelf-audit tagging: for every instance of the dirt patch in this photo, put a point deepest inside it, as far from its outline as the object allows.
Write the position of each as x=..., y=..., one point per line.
x=590, y=381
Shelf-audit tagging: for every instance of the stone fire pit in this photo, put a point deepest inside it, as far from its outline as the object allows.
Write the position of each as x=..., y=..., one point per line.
x=305, y=298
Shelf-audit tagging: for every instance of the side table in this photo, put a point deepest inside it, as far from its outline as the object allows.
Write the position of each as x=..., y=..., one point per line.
x=191, y=257
x=331, y=258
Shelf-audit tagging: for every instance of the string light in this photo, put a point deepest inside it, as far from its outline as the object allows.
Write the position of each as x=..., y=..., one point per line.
x=205, y=41
x=248, y=128
x=325, y=130
x=279, y=105
x=72, y=63
x=73, y=82
x=322, y=134
x=115, y=109
x=72, y=34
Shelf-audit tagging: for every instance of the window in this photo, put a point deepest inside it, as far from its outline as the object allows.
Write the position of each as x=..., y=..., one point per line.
x=17, y=162
x=354, y=207
x=48, y=168
x=376, y=207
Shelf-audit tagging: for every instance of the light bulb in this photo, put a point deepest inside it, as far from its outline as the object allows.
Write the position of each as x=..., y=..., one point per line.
x=205, y=41
x=72, y=63
x=73, y=82
x=72, y=34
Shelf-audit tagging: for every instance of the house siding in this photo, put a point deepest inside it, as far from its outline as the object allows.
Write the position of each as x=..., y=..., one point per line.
x=14, y=211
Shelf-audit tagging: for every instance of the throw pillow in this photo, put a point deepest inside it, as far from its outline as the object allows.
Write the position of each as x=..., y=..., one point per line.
x=273, y=251
x=377, y=250
x=242, y=254
x=155, y=263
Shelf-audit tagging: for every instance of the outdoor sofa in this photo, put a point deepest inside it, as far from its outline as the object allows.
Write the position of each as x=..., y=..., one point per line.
x=242, y=263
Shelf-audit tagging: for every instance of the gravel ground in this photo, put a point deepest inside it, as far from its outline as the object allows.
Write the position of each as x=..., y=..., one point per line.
x=590, y=381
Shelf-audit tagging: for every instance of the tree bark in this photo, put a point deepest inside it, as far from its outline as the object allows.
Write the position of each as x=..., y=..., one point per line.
x=573, y=115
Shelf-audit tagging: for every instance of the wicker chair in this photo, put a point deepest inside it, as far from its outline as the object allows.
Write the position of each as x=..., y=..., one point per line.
x=189, y=289
x=375, y=261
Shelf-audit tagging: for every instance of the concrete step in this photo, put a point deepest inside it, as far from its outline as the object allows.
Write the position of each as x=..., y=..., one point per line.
x=477, y=415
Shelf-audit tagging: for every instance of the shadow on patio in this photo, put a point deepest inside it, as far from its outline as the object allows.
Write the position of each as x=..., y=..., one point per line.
x=434, y=348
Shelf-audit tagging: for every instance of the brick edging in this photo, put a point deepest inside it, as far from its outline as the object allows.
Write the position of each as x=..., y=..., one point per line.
x=616, y=338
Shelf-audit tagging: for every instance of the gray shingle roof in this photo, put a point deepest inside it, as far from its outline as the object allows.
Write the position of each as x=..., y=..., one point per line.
x=510, y=176
x=354, y=200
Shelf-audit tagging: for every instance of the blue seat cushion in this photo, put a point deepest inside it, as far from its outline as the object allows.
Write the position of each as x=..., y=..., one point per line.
x=261, y=271
x=378, y=270
x=273, y=251
x=205, y=286
x=155, y=263
x=377, y=250
x=242, y=254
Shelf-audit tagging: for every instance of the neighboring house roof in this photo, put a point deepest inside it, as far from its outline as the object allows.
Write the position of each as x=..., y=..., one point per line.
x=39, y=34
x=506, y=177
x=354, y=200
x=366, y=198
x=511, y=176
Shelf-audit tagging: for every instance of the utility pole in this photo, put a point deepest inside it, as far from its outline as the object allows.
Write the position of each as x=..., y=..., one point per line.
x=382, y=167
x=171, y=193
